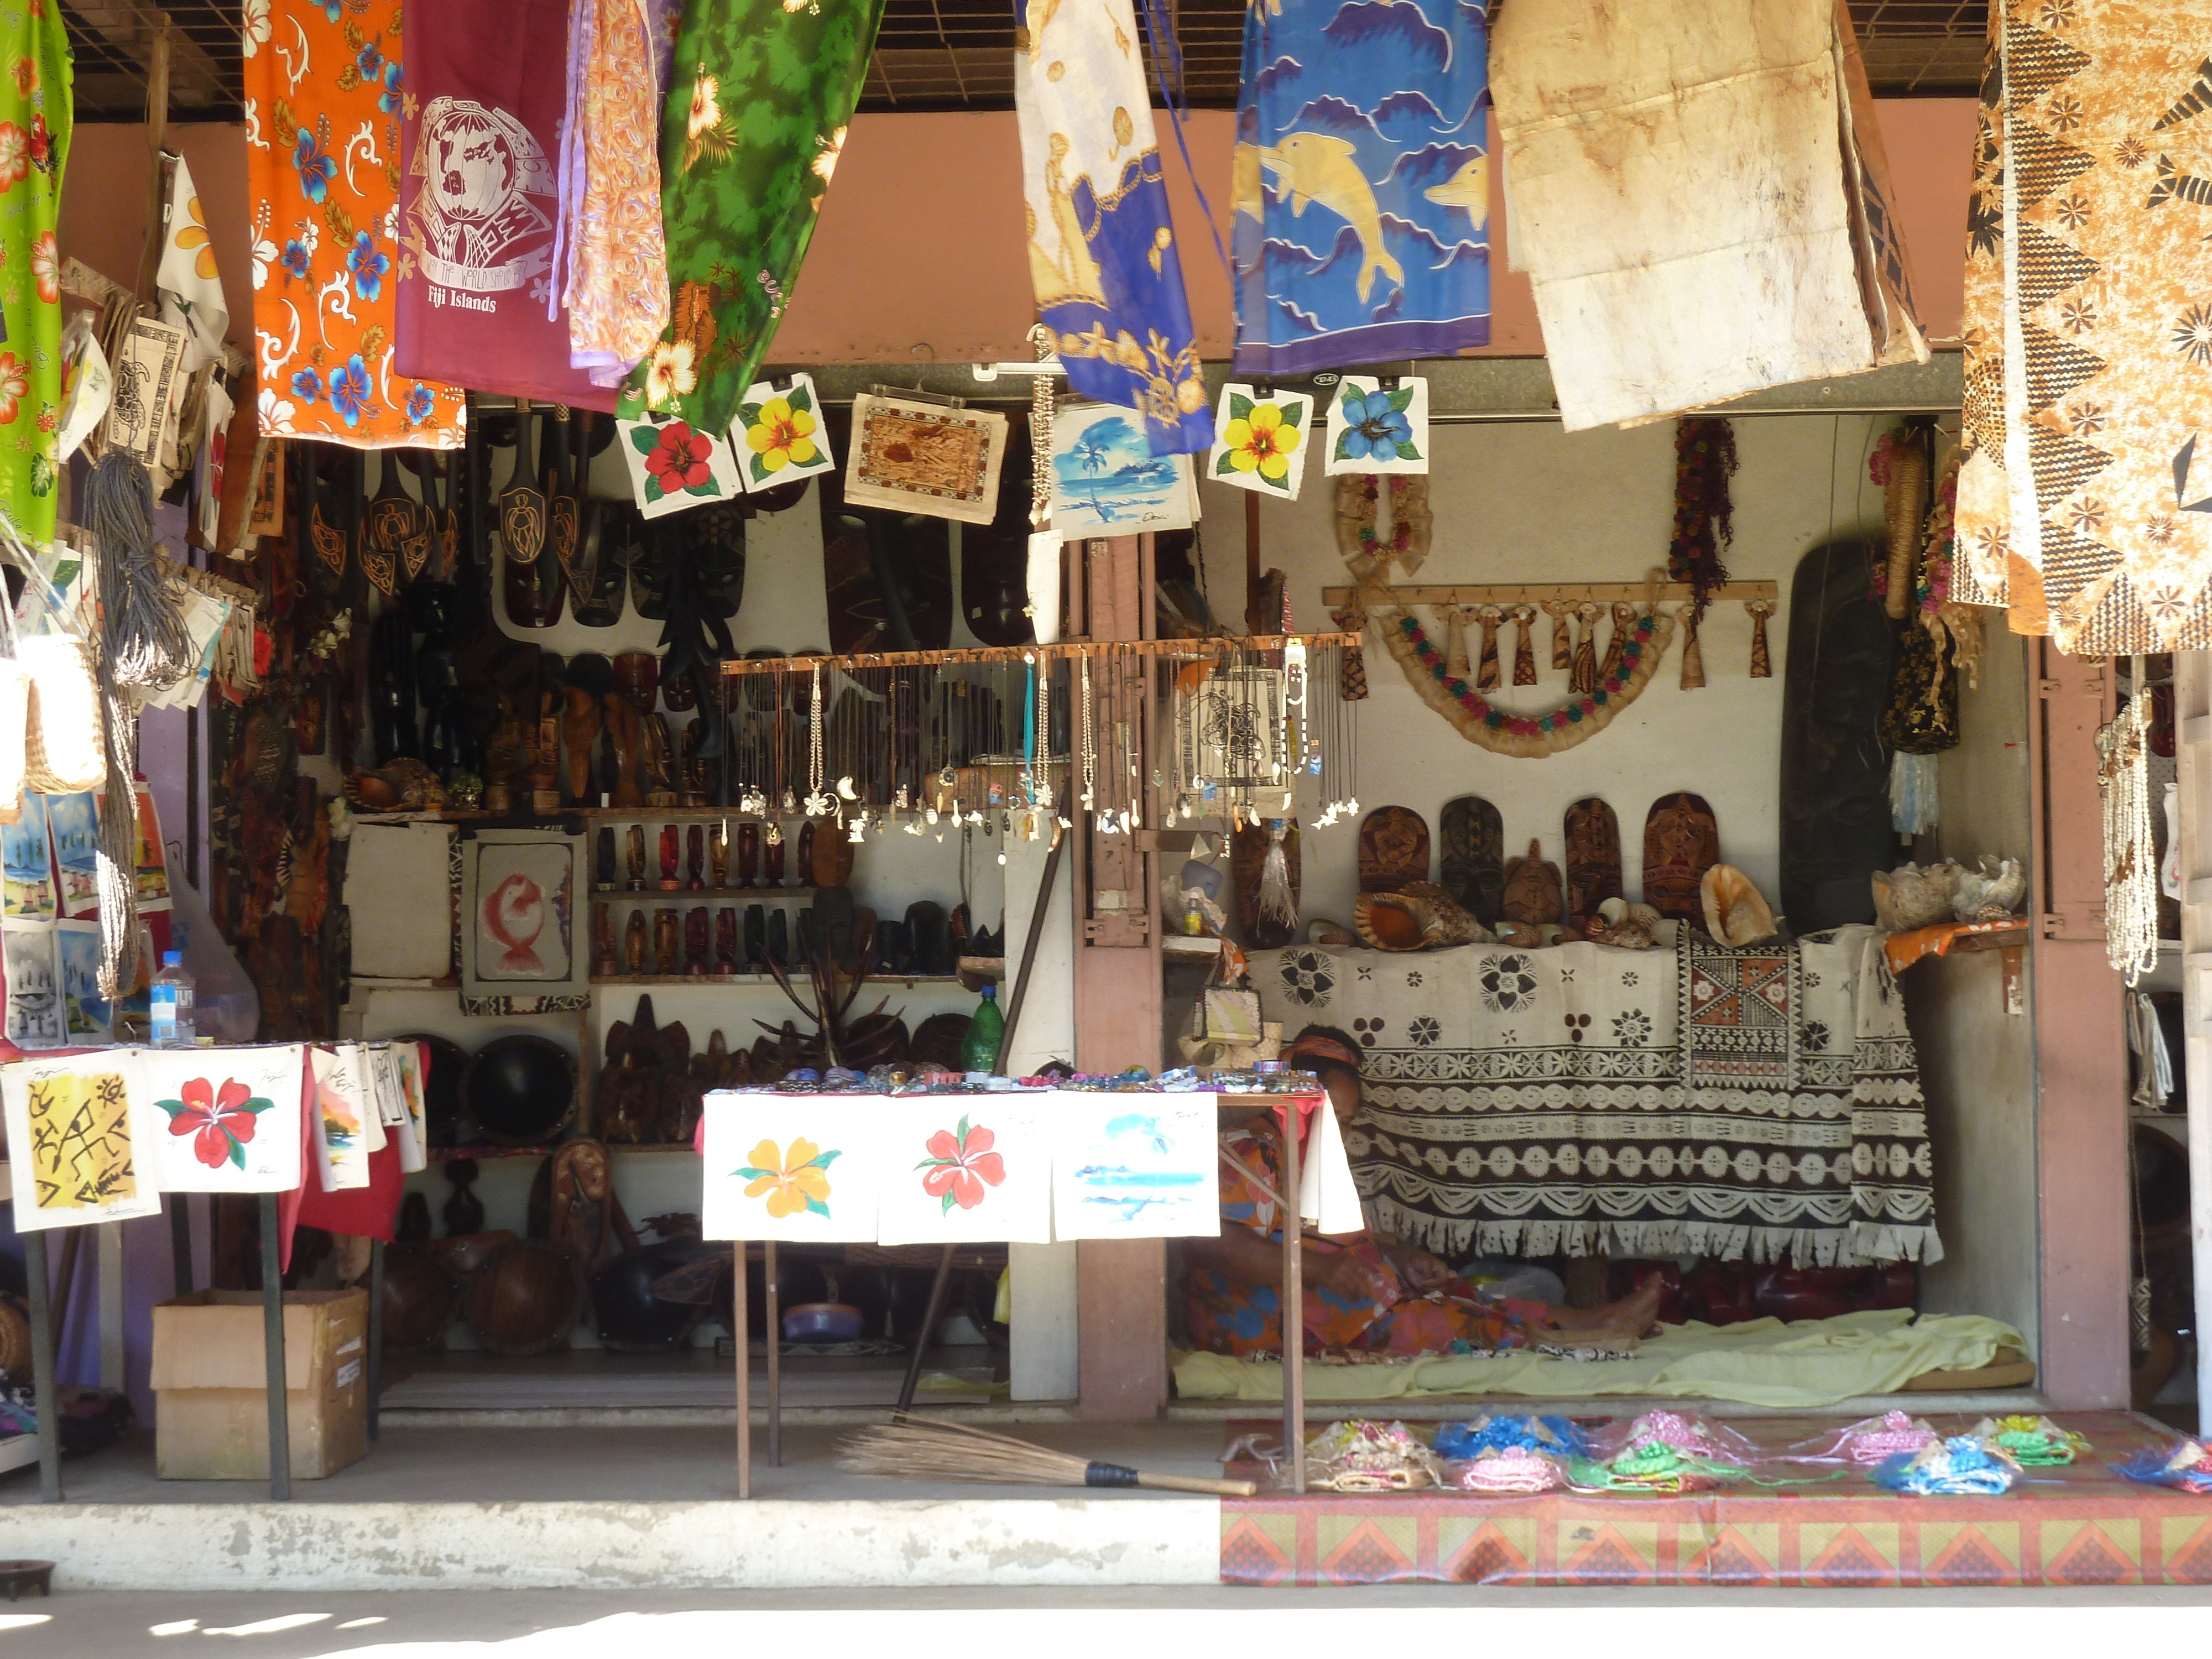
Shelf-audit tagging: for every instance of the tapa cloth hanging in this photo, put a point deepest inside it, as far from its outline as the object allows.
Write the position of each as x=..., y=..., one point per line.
x=323, y=100
x=759, y=96
x=1699, y=195
x=1362, y=184
x=1102, y=256
x=477, y=195
x=35, y=108
x=2084, y=498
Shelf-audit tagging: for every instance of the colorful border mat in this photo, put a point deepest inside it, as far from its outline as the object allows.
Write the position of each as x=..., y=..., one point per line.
x=2081, y=1524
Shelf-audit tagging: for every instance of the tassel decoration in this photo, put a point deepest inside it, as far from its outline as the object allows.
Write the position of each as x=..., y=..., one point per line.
x=1762, y=666
x=1275, y=903
x=1524, y=648
x=1486, y=676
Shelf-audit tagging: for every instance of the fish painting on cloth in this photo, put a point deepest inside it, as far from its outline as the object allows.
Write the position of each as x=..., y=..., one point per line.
x=760, y=94
x=1361, y=183
x=1104, y=260
x=81, y=1133
x=1259, y=441
x=795, y=1168
x=232, y=1117
x=520, y=901
x=325, y=98
x=479, y=193
x=1135, y=1166
x=1373, y=428
x=966, y=1168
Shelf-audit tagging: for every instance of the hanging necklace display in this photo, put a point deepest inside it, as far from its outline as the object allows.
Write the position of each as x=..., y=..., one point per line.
x=2130, y=861
x=817, y=799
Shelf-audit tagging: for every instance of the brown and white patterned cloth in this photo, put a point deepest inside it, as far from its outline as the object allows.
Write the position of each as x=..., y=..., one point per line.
x=1762, y=1102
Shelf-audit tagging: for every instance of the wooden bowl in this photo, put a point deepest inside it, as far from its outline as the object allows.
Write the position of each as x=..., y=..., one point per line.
x=524, y=1300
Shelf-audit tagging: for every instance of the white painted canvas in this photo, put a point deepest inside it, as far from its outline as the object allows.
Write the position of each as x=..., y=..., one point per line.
x=81, y=1139
x=34, y=1018
x=27, y=856
x=415, y=1132
x=398, y=888
x=799, y=1168
x=73, y=828
x=777, y=434
x=88, y=1016
x=1135, y=1166
x=232, y=1117
x=1373, y=428
x=963, y=1169
x=1106, y=480
x=1260, y=439
x=341, y=1121
x=673, y=464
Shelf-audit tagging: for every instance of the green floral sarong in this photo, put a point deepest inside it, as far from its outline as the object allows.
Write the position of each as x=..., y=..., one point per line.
x=35, y=119
x=758, y=100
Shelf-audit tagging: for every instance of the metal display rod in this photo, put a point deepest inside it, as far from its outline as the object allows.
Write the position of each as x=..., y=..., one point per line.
x=1556, y=594
x=1065, y=648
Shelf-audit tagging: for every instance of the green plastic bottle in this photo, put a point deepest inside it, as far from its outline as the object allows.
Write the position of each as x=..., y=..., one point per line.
x=980, y=1051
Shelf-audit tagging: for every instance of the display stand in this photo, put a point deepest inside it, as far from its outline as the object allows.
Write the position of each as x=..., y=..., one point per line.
x=1236, y=1111
x=272, y=1340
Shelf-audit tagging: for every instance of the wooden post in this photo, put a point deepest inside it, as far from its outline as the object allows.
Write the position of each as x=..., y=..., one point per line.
x=740, y=1318
x=157, y=137
x=181, y=1240
x=1294, y=1303
x=375, y=1334
x=774, y=1356
x=272, y=1341
x=42, y=1368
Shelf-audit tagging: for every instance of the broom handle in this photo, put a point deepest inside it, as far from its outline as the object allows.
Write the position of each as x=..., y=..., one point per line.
x=1197, y=1483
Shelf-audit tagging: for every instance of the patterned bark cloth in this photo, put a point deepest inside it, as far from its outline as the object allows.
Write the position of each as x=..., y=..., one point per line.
x=1761, y=1102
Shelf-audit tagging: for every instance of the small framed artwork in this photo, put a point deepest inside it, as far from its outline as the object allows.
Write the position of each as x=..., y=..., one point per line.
x=522, y=910
x=342, y=1119
x=1259, y=441
x=73, y=827
x=778, y=436
x=1229, y=730
x=138, y=414
x=1107, y=482
x=151, y=874
x=27, y=864
x=86, y=1016
x=35, y=1017
x=795, y=1167
x=673, y=464
x=1373, y=428
x=916, y=457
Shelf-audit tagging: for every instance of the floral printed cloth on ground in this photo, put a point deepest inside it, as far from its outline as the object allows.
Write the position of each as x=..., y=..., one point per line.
x=324, y=98
x=1362, y=184
x=1762, y=1104
x=35, y=123
x=477, y=197
x=1102, y=256
x=2085, y=501
x=759, y=96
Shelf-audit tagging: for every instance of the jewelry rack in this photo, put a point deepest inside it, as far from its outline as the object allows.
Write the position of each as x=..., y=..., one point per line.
x=1099, y=650
x=1559, y=593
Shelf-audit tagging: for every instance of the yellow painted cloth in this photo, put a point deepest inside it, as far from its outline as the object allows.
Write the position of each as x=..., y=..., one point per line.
x=1762, y=1362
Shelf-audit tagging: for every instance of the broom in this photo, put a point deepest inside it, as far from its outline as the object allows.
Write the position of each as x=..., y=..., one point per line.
x=925, y=1449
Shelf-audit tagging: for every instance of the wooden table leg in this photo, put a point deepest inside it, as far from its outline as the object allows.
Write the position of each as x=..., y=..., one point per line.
x=376, y=1334
x=934, y=1311
x=42, y=1368
x=740, y=1318
x=272, y=1341
x=1294, y=1306
x=774, y=1357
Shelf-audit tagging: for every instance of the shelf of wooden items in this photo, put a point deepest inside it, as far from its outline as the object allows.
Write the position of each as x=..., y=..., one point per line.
x=669, y=894
x=964, y=977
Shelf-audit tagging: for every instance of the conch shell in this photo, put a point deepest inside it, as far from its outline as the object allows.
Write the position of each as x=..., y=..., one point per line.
x=1736, y=914
x=1909, y=896
x=1526, y=935
x=1991, y=893
x=1420, y=916
x=1333, y=933
x=1624, y=925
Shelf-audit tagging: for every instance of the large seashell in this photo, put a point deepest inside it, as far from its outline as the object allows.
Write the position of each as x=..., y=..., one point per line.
x=1421, y=916
x=1624, y=926
x=1992, y=893
x=1909, y=896
x=1334, y=933
x=1525, y=934
x=1736, y=913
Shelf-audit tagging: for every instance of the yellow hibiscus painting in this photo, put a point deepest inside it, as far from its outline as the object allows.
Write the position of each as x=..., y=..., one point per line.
x=1257, y=440
x=793, y=1180
x=780, y=433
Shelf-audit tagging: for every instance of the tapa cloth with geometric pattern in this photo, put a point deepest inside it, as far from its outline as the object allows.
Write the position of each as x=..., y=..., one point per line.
x=1762, y=1104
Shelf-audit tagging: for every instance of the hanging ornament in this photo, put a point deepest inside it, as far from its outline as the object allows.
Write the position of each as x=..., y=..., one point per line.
x=1693, y=656
x=1524, y=648
x=1762, y=666
x=2130, y=861
x=1705, y=461
x=1563, y=644
x=1583, y=679
x=1352, y=672
x=1486, y=676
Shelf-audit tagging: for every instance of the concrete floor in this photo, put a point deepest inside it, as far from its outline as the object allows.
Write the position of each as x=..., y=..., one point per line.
x=417, y=1464
x=542, y=1624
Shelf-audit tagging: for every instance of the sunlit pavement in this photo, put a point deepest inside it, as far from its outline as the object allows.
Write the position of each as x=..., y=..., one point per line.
x=1231, y=1624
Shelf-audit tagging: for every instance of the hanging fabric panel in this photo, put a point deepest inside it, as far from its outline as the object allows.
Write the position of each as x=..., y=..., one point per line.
x=323, y=100
x=1102, y=254
x=35, y=122
x=478, y=196
x=1362, y=184
x=759, y=96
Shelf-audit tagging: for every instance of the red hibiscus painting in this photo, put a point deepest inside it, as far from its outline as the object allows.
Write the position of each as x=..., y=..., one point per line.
x=960, y=1165
x=678, y=461
x=221, y=1120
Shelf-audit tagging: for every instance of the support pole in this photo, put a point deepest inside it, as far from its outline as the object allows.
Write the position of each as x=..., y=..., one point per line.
x=181, y=1240
x=936, y=1312
x=376, y=1334
x=42, y=1370
x=272, y=1340
x=1294, y=1304
x=740, y=1318
x=774, y=1356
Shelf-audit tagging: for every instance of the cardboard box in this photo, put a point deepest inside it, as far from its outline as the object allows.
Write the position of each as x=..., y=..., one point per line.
x=210, y=1380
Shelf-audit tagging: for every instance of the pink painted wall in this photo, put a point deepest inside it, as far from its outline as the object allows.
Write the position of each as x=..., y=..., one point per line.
x=919, y=254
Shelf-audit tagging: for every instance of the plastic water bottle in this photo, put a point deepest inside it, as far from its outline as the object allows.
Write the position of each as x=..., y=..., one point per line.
x=172, y=1006
x=980, y=1051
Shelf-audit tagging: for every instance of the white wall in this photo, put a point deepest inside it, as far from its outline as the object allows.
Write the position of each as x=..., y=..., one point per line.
x=1526, y=502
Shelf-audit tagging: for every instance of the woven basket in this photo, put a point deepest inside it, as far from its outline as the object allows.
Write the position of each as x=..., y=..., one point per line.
x=63, y=751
